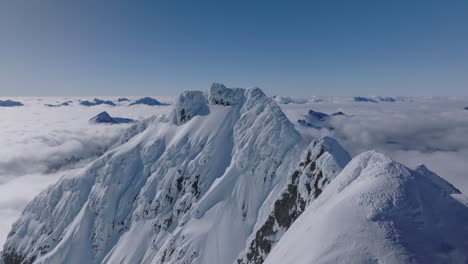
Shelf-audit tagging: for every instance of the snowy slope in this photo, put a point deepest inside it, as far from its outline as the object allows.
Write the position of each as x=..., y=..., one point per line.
x=226, y=178
x=174, y=190
x=378, y=211
x=319, y=165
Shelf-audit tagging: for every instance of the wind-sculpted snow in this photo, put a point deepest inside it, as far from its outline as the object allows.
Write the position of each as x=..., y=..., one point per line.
x=169, y=192
x=225, y=178
x=218, y=94
x=319, y=164
x=188, y=105
x=378, y=211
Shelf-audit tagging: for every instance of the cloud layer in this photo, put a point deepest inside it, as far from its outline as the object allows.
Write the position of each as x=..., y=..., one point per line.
x=40, y=144
x=433, y=131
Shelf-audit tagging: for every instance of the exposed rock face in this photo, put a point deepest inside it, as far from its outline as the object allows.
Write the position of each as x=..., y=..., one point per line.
x=219, y=95
x=188, y=105
x=320, y=163
x=379, y=211
x=225, y=178
x=170, y=190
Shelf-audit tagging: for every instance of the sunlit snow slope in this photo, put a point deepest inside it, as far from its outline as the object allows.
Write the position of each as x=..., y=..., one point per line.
x=222, y=179
x=378, y=211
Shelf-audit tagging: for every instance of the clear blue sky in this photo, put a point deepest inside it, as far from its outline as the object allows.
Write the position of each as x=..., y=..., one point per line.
x=103, y=47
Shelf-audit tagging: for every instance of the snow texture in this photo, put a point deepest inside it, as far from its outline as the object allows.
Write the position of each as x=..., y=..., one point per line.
x=379, y=211
x=319, y=164
x=173, y=193
x=225, y=177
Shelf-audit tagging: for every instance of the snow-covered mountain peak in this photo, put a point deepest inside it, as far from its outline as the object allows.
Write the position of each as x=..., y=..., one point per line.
x=332, y=146
x=194, y=103
x=167, y=190
x=321, y=161
x=226, y=178
x=219, y=94
x=377, y=210
x=102, y=117
x=188, y=105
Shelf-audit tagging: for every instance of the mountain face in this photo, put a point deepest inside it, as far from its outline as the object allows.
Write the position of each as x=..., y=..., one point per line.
x=319, y=165
x=364, y=99
x=173, y=191
x=319, y=120
x=378, y=211
x=226, y=178
x=315, y=119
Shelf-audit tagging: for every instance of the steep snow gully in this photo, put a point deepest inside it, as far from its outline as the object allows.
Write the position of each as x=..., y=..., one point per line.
x=226, y=178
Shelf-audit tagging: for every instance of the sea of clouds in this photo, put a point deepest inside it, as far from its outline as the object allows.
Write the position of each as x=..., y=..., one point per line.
x=428, y=130
x=39, y=144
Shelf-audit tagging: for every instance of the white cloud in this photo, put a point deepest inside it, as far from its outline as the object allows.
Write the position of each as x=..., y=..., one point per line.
x=433, y=131
x=40, y=144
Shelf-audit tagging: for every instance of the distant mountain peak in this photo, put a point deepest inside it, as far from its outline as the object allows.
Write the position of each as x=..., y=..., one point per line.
x=10, y=103
x=226, y=178
x=146, y=101
x=105, y=118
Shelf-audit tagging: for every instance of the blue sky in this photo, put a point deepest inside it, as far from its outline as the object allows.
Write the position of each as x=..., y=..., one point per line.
x=103, y=47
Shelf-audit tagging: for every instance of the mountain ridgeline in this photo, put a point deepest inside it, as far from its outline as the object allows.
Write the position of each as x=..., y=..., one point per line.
x=226, y=178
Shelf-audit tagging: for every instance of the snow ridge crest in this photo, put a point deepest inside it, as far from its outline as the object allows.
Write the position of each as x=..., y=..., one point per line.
x=196, y=103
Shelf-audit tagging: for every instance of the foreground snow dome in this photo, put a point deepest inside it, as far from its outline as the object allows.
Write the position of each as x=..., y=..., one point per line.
x=226, y=178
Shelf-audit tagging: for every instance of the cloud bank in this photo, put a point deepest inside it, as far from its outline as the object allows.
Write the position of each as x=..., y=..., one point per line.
x=39, y=144
x=433, y=131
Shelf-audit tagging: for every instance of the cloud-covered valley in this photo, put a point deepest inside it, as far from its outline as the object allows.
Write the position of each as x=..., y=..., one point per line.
x=41, y=143
x=433, y=131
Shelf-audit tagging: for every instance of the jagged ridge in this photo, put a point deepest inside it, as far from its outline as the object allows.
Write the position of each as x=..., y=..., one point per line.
x=214, y=162
x=377, y=210
x=320, y=163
